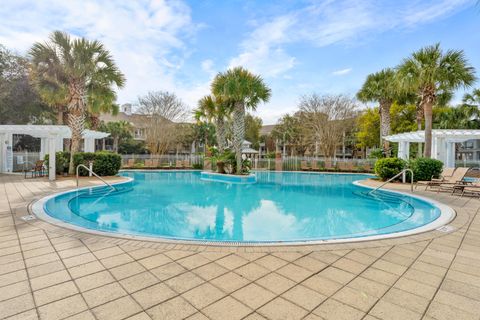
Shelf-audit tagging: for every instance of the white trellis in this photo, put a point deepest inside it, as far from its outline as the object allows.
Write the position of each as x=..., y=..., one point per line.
x=443, y=142
x=51, y=141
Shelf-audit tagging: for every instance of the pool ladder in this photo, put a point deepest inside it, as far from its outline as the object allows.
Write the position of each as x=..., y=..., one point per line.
x=394, y=177
x=93, y=173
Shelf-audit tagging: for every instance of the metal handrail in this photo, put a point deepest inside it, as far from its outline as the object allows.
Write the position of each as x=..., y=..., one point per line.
x=394, y=177
x=96, y=175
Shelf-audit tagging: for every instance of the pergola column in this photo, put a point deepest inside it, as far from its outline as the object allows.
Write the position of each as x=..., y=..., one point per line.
x=450, y=155
x=52, y=144
x=43, y=147
x=403, y=150
x=89, y=144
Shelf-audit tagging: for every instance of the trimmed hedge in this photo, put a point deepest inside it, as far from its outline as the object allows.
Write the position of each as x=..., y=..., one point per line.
x=387, y=168
x=425, y=169
x=104, y=163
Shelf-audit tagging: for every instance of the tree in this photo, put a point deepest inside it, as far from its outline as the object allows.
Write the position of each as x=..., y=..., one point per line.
x=164, y=110
x=327, y=118
x=290, y=130
x=120, y=131
x=460, y=117
x=252, y=130
x=380, y=87
x=19, y=101
x=367, y=128
x=245, y=90
x=218, y=110
x=75, y=69
x=430, y=72
x=472, y=99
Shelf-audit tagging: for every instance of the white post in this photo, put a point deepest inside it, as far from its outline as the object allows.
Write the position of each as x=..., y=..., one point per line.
x=52, y=142
x=43, y=148
x=89, y=144
x=450, y=156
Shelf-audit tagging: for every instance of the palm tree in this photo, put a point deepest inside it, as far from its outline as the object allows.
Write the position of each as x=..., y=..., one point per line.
x=244, y=90
x=430, y=72
x=380, y=87
x=101, y=100
x=75, y=69
x=216, y=109
x=473, y=98
x=119, y=130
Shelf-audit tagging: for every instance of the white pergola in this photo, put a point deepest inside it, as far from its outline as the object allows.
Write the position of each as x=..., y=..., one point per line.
x=51, y=141
x=443, y=142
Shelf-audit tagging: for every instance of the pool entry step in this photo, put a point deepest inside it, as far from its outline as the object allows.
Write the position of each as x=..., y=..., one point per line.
x=228, y=178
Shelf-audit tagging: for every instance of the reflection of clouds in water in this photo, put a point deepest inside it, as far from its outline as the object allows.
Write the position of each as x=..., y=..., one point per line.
x=199, y=219
x=269, y=222
x=228, y=223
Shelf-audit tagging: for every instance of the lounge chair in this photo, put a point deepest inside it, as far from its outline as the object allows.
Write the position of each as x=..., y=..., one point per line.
x=130, y=163
x=38, y=170
x=473, y=188
x=304, y=166
x=148, y=164
x=315, y=166
x=155, y=163
x=328, y=165
x=446, y=173
x=450, y=182
x=186, y=164
x=178, y=164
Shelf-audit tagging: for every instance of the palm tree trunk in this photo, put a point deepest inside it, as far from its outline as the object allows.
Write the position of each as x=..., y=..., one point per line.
x=427, y=108
x=76, y=119
x=238, y=133
x=419, y=128
x=60, y=117
x=385, y=125
x=76, y=123
x=221, y=134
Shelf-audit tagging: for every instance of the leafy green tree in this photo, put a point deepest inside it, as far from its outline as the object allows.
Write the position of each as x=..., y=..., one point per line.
x=120, y=131
x=431, y=72
x=245, y=90
x=472, y=99
x=20, y=103
x=76, y=70
x=290, y=130
x=367, y=128
x=380, y=87
x=252, y=130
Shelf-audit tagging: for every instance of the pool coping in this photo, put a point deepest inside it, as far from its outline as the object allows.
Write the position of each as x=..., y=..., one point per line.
x=447, y=215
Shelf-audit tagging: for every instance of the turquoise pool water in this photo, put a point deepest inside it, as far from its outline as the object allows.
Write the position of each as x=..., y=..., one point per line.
x=286, y=206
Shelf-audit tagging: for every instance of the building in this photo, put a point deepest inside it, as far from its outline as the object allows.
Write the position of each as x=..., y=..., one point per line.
x=138, y=121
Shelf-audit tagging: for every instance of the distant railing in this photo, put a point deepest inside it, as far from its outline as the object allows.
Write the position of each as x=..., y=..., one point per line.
x=263, y=164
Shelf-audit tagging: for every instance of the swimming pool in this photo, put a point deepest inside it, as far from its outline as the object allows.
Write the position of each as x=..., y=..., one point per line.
x=281, y=207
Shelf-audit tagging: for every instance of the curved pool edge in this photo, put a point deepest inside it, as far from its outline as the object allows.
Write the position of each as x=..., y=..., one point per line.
x=447, y=215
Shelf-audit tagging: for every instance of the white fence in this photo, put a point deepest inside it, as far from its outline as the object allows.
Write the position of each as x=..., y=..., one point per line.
x=24, y=160
x=288, y=163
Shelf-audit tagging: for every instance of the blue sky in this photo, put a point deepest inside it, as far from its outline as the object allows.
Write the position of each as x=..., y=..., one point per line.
x=299, y=47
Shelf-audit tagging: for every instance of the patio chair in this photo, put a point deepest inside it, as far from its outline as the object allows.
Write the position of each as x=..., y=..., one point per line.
x=155, y=163
x=315, y=166
x=304, y=166
x=328, y=165
x=38, y=170
x=449, y=183
x=465, y=188
x=446, y=173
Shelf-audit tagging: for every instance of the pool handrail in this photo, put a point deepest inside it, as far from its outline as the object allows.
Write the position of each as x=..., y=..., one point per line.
x=96, y=175
x=394, y=177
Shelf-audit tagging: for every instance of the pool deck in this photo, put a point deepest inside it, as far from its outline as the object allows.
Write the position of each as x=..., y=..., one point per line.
x=48, y=272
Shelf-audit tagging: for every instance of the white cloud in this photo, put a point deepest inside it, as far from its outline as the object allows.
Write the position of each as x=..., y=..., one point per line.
x=342, y=72
x=146, y=38
x=261, y=51
x=207, y=66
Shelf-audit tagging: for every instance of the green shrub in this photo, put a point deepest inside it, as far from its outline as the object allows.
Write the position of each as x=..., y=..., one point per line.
x=386, y=168
x=62, y=160
x=425, y=169
x=197, y=166
x=104, y=163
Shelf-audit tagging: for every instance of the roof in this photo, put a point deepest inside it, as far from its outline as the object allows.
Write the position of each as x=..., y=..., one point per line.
x=45, y=131
x=453, y=135
x=249, y=150
x=137, y=120
x=267, y=129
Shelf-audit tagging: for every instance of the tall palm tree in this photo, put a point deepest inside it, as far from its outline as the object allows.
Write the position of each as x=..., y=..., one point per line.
x=244, y=90
x=472, y=98
x=101, y=100
x=75, y=69
x=430, y=72
x=215, y=109
x=380, y=87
